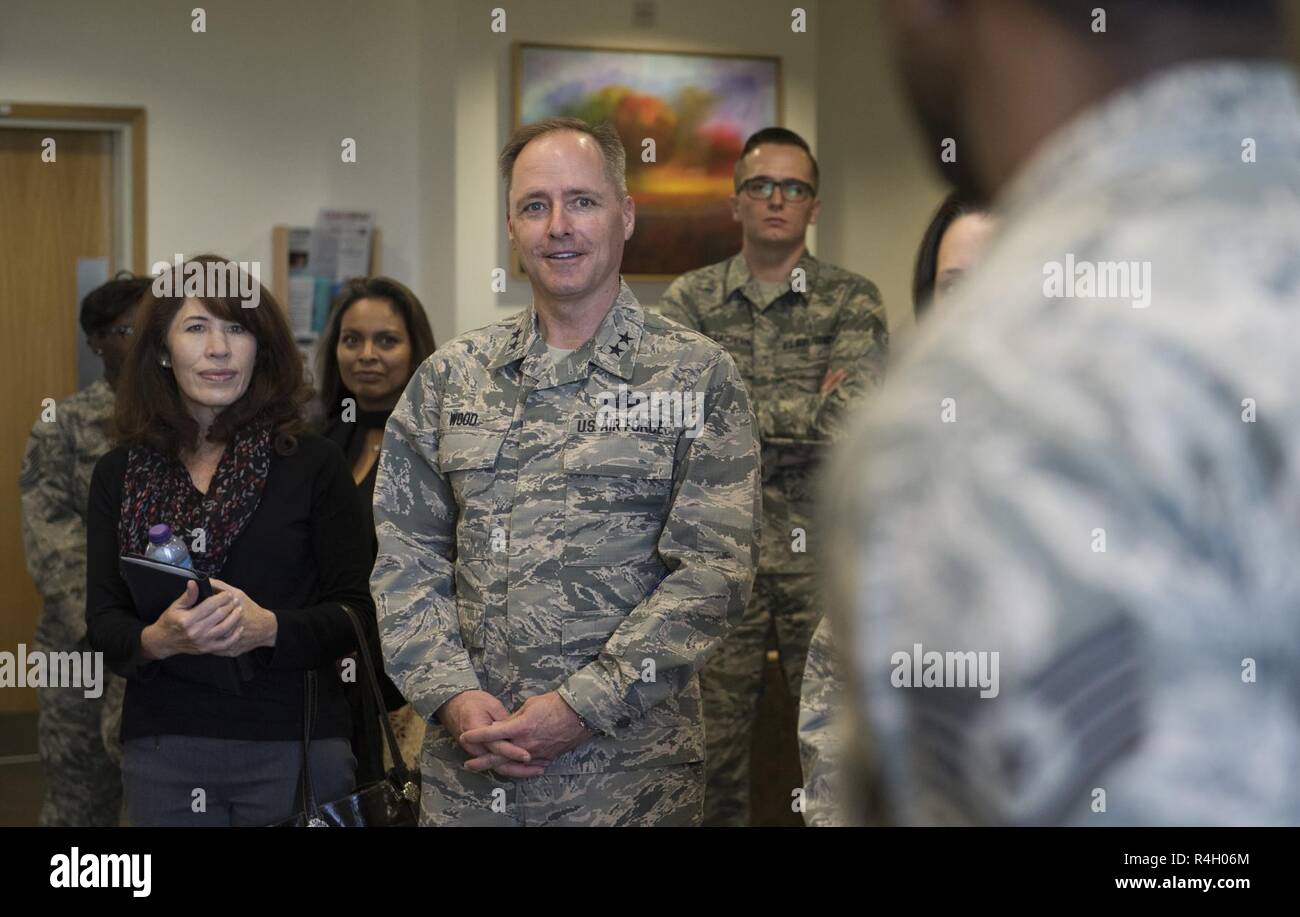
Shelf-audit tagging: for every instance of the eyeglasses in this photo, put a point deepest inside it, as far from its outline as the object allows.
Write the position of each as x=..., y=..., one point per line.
x=760, y=189
x=123, y=330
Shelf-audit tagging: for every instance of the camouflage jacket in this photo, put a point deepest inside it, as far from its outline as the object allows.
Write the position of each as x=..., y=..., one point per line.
x=532, y=537
x=55, y=488
x=783, y=349
x=1101, y=489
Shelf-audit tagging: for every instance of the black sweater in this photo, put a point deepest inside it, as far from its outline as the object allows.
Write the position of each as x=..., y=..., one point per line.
x=348, y=437
x=305, y=550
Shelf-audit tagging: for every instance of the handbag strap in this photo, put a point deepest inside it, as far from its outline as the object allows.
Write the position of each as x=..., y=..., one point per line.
x=408, y=788
x=310, y=807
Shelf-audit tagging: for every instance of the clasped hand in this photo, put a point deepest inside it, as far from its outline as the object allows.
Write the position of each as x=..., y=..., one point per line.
x=227, y=623
x=519, y=744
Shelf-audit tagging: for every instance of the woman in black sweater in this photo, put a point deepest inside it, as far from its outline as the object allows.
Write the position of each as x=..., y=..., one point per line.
x=212, y=442
x=376, y=337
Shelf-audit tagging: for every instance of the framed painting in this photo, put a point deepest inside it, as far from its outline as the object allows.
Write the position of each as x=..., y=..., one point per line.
x=683, y=118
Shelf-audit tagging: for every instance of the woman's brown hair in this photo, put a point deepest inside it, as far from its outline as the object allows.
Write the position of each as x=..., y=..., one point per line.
x=404, y=303
x=150, y=411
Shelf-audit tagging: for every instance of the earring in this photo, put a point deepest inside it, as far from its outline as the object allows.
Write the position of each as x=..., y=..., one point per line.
x=164, y=361
x=98, y=353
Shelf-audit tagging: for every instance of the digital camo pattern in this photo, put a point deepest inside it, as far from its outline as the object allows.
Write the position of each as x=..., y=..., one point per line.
x=83, y=783
x=732, y=683
x=528, y=543
x=783, y=348
x=821, y=740
x=1160, y=671
x=83, y=787
x=110, y=724
x=662, y=797
x=54, y=485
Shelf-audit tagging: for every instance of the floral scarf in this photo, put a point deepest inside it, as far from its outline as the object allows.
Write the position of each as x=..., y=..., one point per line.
x=158, y=489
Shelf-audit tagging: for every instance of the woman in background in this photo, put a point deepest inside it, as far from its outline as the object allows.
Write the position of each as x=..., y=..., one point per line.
x=951, y=244
x=212, y=441
x=376, y=337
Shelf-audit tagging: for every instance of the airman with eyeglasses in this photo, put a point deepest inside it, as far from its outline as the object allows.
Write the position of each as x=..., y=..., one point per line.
x=808, y=338
x=760, y=188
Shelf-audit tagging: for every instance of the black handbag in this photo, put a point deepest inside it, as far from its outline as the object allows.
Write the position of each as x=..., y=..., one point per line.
x=389, y=803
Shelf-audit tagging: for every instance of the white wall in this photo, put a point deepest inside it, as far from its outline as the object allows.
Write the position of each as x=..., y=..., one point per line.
x=245, y=121
x=879, y=191
x=435, y=165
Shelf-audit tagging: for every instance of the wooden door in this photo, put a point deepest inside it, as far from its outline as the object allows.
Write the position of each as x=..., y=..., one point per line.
x=51, y=214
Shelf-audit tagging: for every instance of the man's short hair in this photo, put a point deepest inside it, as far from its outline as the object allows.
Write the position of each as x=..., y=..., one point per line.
x=611, y=147
x=777, y=135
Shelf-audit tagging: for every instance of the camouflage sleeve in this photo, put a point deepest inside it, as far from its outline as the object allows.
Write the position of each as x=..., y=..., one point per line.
x=677, y=306
x=710, y=546
x=414, y=580
x=859, y=348
x=820, y=742
x=110, y=718
x=54, y=528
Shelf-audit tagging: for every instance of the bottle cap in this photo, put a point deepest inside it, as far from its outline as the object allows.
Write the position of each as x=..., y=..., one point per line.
x=160, y=533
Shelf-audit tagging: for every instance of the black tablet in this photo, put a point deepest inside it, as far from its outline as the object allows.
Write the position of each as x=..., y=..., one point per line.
x=155, y=585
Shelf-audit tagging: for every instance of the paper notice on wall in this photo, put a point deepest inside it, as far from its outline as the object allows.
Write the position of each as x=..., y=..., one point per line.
x=302, y=288
x=340, y=244
x=301, y=281
x=299, y=249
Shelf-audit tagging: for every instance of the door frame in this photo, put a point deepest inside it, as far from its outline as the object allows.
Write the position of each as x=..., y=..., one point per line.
x=129, y=161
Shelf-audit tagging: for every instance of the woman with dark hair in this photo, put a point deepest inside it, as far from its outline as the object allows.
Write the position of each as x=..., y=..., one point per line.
x=211, y=441
x=376, y=337
x=949, y=248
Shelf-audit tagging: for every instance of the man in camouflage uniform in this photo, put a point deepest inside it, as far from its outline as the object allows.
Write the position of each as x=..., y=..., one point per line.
x=83, y=787
x=1111, y=502
x=808, y=338
x=552, y=570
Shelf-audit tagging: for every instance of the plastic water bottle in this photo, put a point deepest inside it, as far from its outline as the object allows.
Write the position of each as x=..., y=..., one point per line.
x=167, y=548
